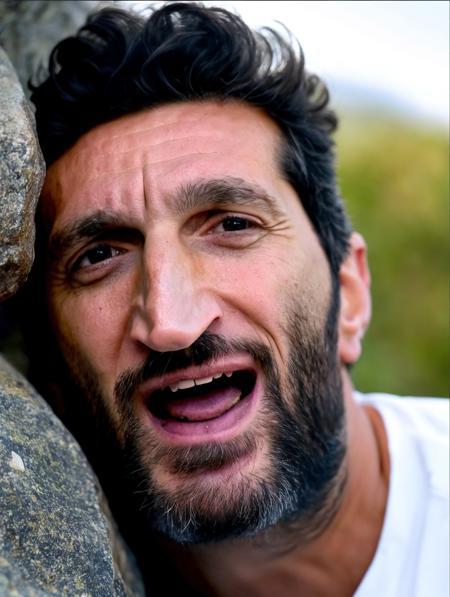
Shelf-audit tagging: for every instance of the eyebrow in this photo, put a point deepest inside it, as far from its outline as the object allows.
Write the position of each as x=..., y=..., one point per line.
x=222, y=192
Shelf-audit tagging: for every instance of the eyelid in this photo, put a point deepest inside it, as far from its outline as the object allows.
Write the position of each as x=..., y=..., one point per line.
x=74, y=266
x=116, y=238
x=84, y=254
x=222, y=216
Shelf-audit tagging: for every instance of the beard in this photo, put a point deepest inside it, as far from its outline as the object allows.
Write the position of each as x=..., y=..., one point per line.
x=300, y=430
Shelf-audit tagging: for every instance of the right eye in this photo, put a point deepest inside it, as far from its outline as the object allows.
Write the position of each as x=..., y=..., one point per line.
x=96, y=255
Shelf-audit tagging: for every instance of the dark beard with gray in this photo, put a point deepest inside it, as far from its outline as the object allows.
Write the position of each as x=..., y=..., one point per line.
x=301, y=426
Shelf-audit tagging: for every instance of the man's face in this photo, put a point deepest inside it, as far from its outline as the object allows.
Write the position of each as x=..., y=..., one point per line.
x=192, y=300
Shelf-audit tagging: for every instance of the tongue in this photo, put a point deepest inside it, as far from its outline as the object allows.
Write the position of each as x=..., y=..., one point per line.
x=204, y=407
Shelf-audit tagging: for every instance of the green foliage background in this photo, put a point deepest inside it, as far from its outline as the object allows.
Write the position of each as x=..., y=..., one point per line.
x=394, y=177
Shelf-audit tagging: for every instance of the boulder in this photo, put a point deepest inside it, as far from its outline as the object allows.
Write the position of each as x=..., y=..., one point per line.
x=57, y=536
x=22, y=173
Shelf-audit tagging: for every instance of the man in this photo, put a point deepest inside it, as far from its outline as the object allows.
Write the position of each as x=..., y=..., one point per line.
x=208, y=299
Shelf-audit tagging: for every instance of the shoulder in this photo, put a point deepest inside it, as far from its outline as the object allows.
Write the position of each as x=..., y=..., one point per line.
x=420, y=425
x=425, y=414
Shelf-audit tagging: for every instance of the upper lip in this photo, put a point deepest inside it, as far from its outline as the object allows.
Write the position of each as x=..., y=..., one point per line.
x=222, y=365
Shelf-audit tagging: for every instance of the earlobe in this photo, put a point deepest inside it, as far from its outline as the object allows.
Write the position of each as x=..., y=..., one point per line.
x=355, y=308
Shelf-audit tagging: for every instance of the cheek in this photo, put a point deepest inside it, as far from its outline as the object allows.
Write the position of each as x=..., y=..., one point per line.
x=94, y=321
x=266, y=288
x=254, y=278
x=255, y=290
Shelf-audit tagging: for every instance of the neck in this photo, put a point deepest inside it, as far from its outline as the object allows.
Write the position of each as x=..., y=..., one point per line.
x=330, y=562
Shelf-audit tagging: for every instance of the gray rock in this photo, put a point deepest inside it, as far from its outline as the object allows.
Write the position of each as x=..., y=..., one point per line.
x=21, y=176
x=56, y=534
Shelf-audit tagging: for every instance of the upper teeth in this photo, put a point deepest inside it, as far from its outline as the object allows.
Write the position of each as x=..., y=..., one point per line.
x=184, y=384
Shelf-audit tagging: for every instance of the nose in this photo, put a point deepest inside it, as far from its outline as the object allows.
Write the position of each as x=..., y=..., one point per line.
x=175, y=302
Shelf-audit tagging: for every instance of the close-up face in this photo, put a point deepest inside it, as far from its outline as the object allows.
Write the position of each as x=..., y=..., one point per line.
x=190, y=295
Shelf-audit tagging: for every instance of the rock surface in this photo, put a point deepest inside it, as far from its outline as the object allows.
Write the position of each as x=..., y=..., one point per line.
x=56, y=534
x=21, y=177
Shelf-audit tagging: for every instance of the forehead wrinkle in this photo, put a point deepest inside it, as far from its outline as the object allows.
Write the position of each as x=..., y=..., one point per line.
x=154, y=145
x=173, y=124
x=99, y=175
x=222, y=191
x=130, y=148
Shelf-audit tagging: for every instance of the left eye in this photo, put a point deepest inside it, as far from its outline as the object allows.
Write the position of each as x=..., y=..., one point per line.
x=235, y=223
x=96, y=255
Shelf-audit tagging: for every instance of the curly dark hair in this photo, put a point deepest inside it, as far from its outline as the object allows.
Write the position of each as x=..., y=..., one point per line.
x=121, y=62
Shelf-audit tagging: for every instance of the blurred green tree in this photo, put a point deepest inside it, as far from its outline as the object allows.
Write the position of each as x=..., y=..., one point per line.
x=394, y=177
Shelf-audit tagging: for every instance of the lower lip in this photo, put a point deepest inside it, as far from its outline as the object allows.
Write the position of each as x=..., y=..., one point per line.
x=224, y=428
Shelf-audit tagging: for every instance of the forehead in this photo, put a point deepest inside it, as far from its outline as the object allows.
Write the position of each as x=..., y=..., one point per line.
x=150, y=152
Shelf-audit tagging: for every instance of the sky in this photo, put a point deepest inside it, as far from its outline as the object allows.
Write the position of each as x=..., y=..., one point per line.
x=395, y=51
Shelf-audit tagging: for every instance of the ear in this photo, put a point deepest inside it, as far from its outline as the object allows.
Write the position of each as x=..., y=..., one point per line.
x=355, y=309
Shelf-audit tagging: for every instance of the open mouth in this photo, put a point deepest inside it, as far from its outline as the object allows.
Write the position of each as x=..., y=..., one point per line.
x=202, y=400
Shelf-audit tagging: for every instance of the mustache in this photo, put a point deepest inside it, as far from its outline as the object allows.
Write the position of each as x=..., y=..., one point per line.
x=207, y=348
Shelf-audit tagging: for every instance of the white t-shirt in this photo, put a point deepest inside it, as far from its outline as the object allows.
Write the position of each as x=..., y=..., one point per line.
x=412, y=558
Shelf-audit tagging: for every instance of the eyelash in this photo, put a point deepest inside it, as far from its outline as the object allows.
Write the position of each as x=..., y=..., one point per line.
x=113, y=250
x=248, y=222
